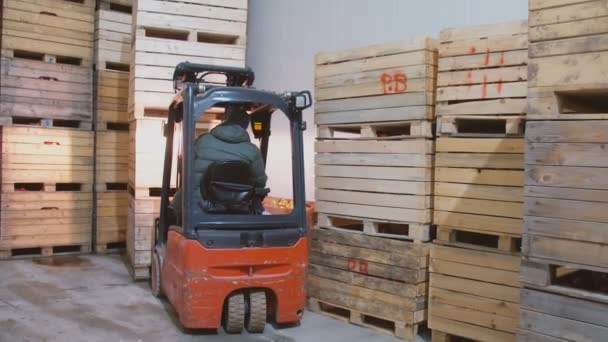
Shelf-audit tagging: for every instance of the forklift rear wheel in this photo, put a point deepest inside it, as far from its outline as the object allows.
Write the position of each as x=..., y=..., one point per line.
x=256, y=317
x=235, y=313
x=155, y=276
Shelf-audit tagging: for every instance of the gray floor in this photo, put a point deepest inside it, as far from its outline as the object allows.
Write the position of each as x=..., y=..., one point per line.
x=92, y=298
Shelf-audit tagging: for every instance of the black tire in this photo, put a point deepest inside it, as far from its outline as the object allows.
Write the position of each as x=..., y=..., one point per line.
x=155, y=276
x=234, y=313
x=256, y=315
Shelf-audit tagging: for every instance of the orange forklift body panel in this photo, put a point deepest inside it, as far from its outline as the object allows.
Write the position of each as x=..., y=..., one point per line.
x=197, y=280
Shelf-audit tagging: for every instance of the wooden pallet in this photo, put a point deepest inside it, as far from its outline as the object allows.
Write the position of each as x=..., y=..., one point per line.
x=167, y=33
x=380, y=282
x=387, y=326
x=474, y=294
x=63, y=29
x=137, y=272
x=375, y=227
x=45, y=90
x=112, y=99
x=44, y=251
x=559, y=34
x=392, y=130
x=480, y=126
x=482, y=70
x=113, y=33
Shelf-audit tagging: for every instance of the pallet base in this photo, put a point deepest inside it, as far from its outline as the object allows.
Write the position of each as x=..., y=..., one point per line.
x=396, y=230
x=394, y=328
x=137, y=272
x=47, y=251
x=110, y=247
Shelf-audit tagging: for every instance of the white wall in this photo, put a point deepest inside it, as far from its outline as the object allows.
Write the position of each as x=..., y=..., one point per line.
x=284, y=36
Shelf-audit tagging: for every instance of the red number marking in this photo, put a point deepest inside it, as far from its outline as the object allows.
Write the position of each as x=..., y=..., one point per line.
x=487, y=61
x=502, y=58
x=472, y=49
x=484, y=87
x=499, y=85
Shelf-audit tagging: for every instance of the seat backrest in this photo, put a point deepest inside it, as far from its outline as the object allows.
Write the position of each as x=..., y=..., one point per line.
x=227, y=187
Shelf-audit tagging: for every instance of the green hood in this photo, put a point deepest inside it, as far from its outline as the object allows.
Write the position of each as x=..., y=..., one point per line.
x=230, y=133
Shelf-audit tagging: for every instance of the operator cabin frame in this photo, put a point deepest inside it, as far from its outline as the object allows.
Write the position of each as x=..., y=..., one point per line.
x=218, y=230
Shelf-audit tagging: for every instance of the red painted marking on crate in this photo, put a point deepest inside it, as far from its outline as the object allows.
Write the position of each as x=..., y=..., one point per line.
x=484, y=87
x=363, y=267
x=473, y=49
x=469, y=79
x=487, y=60
x=51, y=143
x=502, y=58
x=393, y=84
x=499, y=85
x=352, y=264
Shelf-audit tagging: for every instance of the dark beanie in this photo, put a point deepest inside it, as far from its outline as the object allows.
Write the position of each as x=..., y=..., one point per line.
x=237, y=115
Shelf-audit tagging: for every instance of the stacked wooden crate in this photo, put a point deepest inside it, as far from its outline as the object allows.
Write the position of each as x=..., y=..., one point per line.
x=481, y=101
x=565, y=265
x=374, y=111
x=112, y=62
x=46, y=96
x=47, y=200
x=168, y=32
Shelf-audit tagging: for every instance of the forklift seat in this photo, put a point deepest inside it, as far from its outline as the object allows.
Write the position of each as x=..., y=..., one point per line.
x=227, y=188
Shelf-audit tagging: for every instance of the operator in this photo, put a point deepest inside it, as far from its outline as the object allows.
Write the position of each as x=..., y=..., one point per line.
x=227, y=141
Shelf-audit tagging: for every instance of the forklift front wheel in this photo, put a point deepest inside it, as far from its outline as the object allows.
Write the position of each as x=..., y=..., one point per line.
x=157, y=290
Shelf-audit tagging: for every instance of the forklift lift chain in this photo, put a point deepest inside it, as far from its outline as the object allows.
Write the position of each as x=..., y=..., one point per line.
x=256, y=317
x=235, y=313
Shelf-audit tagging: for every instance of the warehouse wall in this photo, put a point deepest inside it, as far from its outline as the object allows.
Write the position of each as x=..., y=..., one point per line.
x=284, y=36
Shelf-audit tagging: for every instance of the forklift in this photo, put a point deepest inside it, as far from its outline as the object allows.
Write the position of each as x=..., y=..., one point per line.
x=222, y=260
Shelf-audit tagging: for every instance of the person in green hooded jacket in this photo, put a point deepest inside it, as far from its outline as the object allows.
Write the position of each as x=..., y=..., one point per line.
x=227, y=141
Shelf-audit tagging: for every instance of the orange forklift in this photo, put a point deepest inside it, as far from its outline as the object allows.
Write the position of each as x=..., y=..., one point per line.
x=221, y=259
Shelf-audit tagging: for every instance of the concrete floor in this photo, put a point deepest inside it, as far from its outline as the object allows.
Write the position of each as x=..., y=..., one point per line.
x=92, y=298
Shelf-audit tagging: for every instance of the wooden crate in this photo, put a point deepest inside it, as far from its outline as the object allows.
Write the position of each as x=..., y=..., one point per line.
x=568, y=60
x=374, y=112
x=113, y=32
x=565, y=219
x=140, y=235
x=147, y=155
x=351, y=86
x=554, y=317
x=112, y=99
x=482, y=70
x=369, y=281
x=46, y=156
x=478, y=191
x=111, y=220
x=393, y=200
x=50, y=30
x=112, y=159
x=47, y=200
x=473, y=294
x=39, y=90
x=167, y=33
